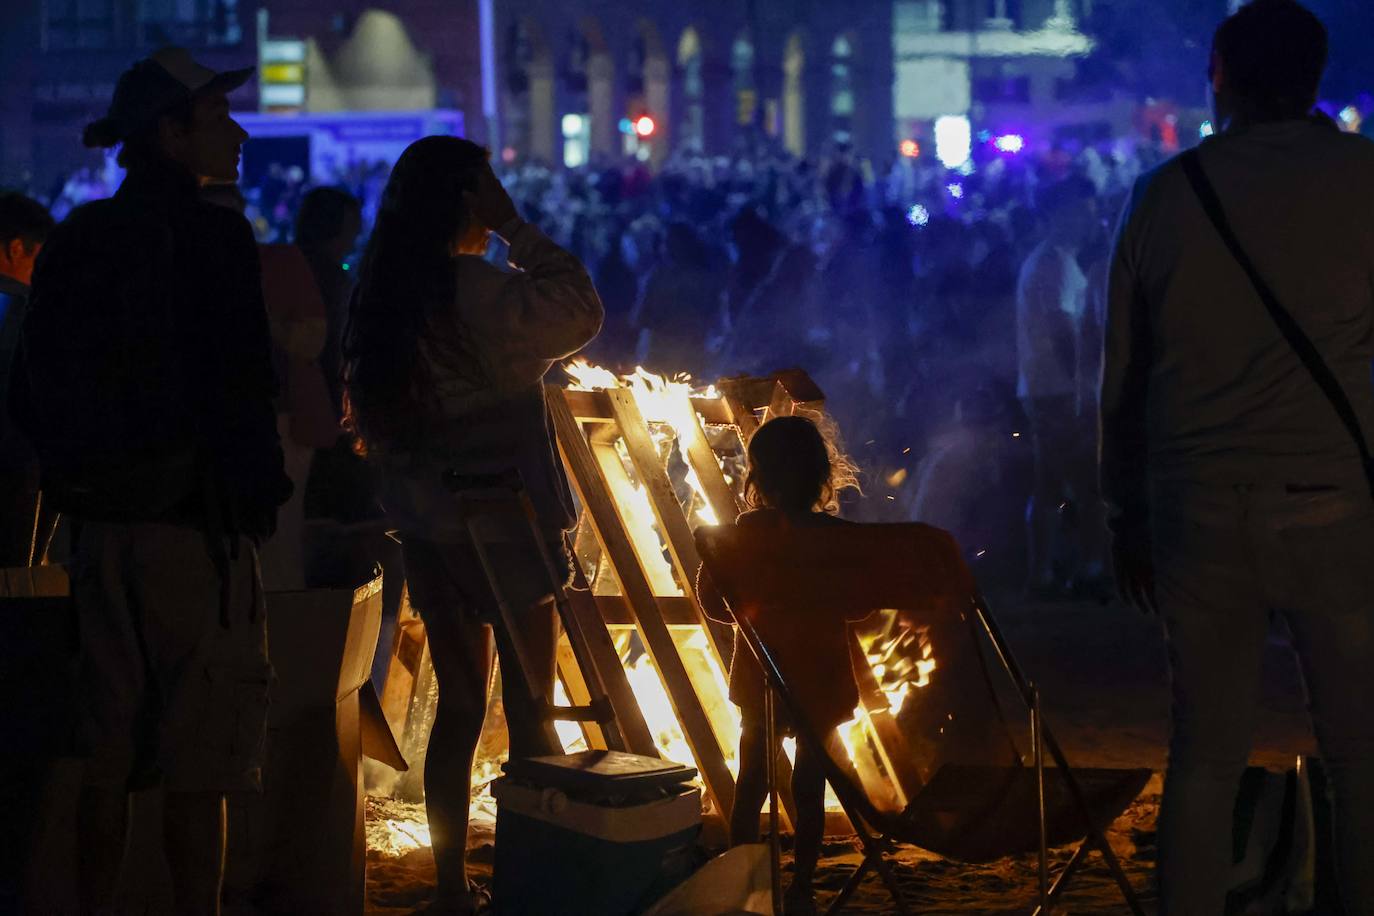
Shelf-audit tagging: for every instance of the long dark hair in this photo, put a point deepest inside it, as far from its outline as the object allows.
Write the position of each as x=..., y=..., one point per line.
x=406, y=294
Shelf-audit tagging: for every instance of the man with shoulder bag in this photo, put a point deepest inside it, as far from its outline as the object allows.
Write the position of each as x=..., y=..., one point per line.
x=145, y=383
x=1236, y=405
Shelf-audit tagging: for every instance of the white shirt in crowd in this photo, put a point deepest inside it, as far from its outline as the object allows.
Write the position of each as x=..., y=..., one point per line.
x=1050, y=298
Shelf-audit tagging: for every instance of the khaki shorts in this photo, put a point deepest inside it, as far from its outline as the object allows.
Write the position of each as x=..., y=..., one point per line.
x=173, y=686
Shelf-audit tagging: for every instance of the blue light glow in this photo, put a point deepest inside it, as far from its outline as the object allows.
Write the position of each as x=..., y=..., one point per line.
x=955, y=189
x=918, y=215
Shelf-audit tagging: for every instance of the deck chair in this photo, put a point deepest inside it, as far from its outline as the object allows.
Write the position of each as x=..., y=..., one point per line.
x=971, y=810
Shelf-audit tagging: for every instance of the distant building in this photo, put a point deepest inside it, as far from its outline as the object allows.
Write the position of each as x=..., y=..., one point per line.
x=1008, y=66
x=563, y=81
x=576, y=79
x=59, y=60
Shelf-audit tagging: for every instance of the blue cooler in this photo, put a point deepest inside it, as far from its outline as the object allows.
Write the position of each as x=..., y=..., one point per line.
x=599, y=833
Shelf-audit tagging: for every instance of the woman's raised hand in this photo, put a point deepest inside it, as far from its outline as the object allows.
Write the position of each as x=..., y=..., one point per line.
x=490, y=203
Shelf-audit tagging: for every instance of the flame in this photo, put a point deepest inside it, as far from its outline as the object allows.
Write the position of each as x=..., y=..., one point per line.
x=395, y=828
x=663, y=402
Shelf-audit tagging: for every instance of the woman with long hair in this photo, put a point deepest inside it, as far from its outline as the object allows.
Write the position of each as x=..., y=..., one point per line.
x=444, y=366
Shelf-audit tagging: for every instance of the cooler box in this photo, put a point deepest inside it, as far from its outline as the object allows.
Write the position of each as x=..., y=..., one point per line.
x=599, y=832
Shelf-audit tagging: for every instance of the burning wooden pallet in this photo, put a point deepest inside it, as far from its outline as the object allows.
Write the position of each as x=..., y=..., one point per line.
x=650, y=459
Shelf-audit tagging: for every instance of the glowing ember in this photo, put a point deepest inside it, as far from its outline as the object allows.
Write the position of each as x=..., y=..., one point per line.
x=395, y=828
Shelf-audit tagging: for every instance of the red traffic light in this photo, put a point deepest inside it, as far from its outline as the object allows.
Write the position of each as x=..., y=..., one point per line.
x=645, y=126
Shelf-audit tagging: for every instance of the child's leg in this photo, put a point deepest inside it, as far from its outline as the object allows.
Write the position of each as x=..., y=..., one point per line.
x=808, y=791
x=751, y=789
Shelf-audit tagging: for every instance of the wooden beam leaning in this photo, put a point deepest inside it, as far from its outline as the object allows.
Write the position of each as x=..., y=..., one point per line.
x=615, y=540
x=671, y=521
x=702, y=458
x=887, y=736
x=686, y=561
x=575, y=683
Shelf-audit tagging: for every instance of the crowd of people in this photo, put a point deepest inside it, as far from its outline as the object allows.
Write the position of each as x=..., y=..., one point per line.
x=958, y=351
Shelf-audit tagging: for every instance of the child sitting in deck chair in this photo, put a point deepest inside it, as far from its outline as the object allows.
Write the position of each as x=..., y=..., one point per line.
x=791, y=482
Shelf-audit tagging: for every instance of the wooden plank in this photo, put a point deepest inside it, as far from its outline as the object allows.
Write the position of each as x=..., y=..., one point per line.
x=408, y=644
x=780, y=404
x=603, y=656
x=615, y=540
x=702, y=458
x=672, y=524
x=575, y=685
x=892, y=745
x=741, y=414
x=588, y=405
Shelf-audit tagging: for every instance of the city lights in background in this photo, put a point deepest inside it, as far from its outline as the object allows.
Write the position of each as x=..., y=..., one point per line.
x=910, y=149
x=953, y=140
x=917, y=216
x=1010, y=143
x=955, y=189
x=1205, y=130
x=644, y=126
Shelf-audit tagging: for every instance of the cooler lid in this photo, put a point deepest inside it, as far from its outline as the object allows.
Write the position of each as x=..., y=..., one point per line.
x=599, y=771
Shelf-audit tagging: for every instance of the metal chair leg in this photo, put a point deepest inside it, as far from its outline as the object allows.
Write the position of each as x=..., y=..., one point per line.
x=851, y=885
x=774, y=840
x=1095, y=834
x=1038, y=749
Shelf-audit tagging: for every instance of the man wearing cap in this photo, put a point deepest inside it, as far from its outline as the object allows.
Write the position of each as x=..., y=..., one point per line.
x=146, y=388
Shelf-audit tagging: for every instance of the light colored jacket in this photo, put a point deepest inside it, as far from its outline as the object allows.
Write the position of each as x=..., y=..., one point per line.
x=513, y=327
x=1199, y=387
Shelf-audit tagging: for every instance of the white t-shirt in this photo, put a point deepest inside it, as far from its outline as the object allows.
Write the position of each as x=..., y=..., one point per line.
x=1050, y=298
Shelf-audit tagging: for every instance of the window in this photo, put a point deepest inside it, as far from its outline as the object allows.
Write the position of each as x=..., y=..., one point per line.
x=193, y=23
x=80, y=24
x=1006, y=89
x=742, y=73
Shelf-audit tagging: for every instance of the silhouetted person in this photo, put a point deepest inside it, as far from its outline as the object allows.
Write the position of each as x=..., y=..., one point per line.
x=148, y=392
x=790, y=483
x=446, y=358
x=1050, y=300
x=1234, y=490
x=24, y=227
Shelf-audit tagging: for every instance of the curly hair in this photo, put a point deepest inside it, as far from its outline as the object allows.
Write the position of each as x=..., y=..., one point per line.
x=796, y=466
x=407, y=288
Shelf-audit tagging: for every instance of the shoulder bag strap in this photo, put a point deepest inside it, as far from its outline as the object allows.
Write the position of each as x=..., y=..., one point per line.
x=1302, y=344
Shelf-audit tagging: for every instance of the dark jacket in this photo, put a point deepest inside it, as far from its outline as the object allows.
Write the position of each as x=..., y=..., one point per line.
x=16, y=456
x=146, y=381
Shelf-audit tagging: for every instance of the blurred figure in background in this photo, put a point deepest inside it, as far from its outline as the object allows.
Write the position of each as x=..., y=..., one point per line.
x=1050, y=301
x=24, y=227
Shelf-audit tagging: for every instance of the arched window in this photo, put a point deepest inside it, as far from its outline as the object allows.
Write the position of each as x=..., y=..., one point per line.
x=842, y=89
x=693, y=91
x=794, y=97
x=742, y=73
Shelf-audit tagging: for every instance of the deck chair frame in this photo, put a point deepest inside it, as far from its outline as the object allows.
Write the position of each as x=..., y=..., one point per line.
x=878, y=832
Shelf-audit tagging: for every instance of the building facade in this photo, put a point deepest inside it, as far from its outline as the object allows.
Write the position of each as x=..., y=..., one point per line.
x=557, y=81
x=575, y=81
x=1008, y=66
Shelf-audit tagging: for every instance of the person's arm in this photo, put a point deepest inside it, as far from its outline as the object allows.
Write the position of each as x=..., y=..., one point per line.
x=1123, y=447
x=712, y=602
x=549, y=309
